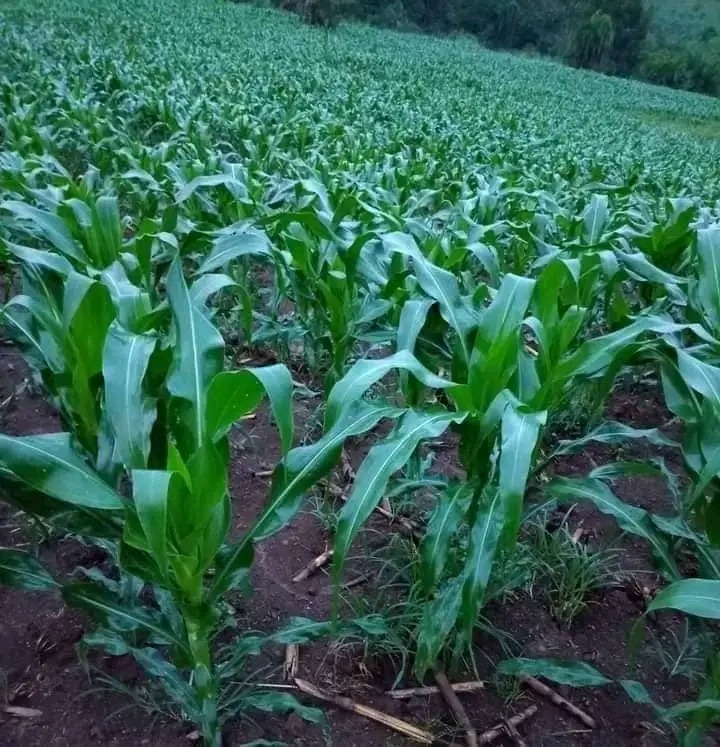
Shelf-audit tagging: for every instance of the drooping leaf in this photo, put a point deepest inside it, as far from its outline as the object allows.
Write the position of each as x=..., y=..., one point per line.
x=47, y=226
x=367, y=372
x=563, y=672
x=629, y=518
x=693, y=596
x=233, y=394
x=23, y=571
x=49, y=464
x=613, y=433
x=229, y=246
x=111, y=611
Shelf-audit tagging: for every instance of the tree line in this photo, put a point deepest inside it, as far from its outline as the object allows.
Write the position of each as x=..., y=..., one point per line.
x=611, y=36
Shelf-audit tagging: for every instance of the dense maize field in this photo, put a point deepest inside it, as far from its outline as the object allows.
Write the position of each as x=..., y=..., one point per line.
x=421, y=339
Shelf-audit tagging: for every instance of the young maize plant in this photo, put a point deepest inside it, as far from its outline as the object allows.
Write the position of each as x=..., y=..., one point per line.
x=167, y=407
x=687, y=356
x=510, y=361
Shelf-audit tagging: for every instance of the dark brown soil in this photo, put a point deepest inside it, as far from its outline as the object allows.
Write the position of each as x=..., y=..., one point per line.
x=39, y=667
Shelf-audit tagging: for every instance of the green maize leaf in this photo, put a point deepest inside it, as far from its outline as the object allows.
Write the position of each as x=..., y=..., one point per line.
x=211, y=180
x=562, y=672
x=485, y=540
x=507, y=310
x=612, y=432
x=40, y=258
x=48, y=226
x=23, y=571
x=638, y=264
x=637, y=692
x=439, y=284
x=233, y=394
x=496, y=354
x=301, y=468
x=198, y=354
x=194, y=514
x=131, y=303
x=553, y=279
x=230, y=246
x=598, y=354
x=412, y=319
x=691, y=708
x=207, y=285
x=40, y=347
x=520, y=433
x=151, y=489
x=595, y=219
x=282, y=703
x=488, y=258
x=676, y=527
x=381, y=462
x=87, y=314
x=708, y=285
x=106, y=230
x=440, y=617
x=701, y=377
x=365, y=373
x=131, y=412
x=631, y=519
x=445, y=520
x=112, y=611
x=693, y=596
x=49, y=464
x=653, y=467
x=169, y=676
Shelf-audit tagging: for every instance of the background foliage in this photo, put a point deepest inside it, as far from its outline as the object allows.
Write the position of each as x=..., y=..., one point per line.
x=673, y=44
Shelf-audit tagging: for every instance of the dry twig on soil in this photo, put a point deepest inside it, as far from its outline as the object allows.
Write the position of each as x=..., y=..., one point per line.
x=513, y=722
x=458, y=687
x=359, y=580
x=292, y=659
x=21, y=712
x=554, y=697
x=413, y=732
x=457, y=708
x=314, y=565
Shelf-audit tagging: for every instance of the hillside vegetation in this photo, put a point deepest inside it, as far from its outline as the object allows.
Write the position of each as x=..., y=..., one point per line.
x=674, y=44
x=684, y=21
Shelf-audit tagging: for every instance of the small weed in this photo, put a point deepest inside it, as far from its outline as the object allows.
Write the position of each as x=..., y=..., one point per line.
x=566, y=570
x=681, y=654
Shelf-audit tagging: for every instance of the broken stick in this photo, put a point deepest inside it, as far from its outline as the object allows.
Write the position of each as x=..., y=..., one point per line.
x=413, y=732
x=21, y=711
x=554, y=697
x=513, y=722
x=313, y=566
x=457, y=708
x=292, y=658
x=458, y=687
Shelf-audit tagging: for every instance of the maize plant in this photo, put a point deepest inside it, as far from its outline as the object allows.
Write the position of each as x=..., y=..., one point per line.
x=169, y=530
x=510, y=361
